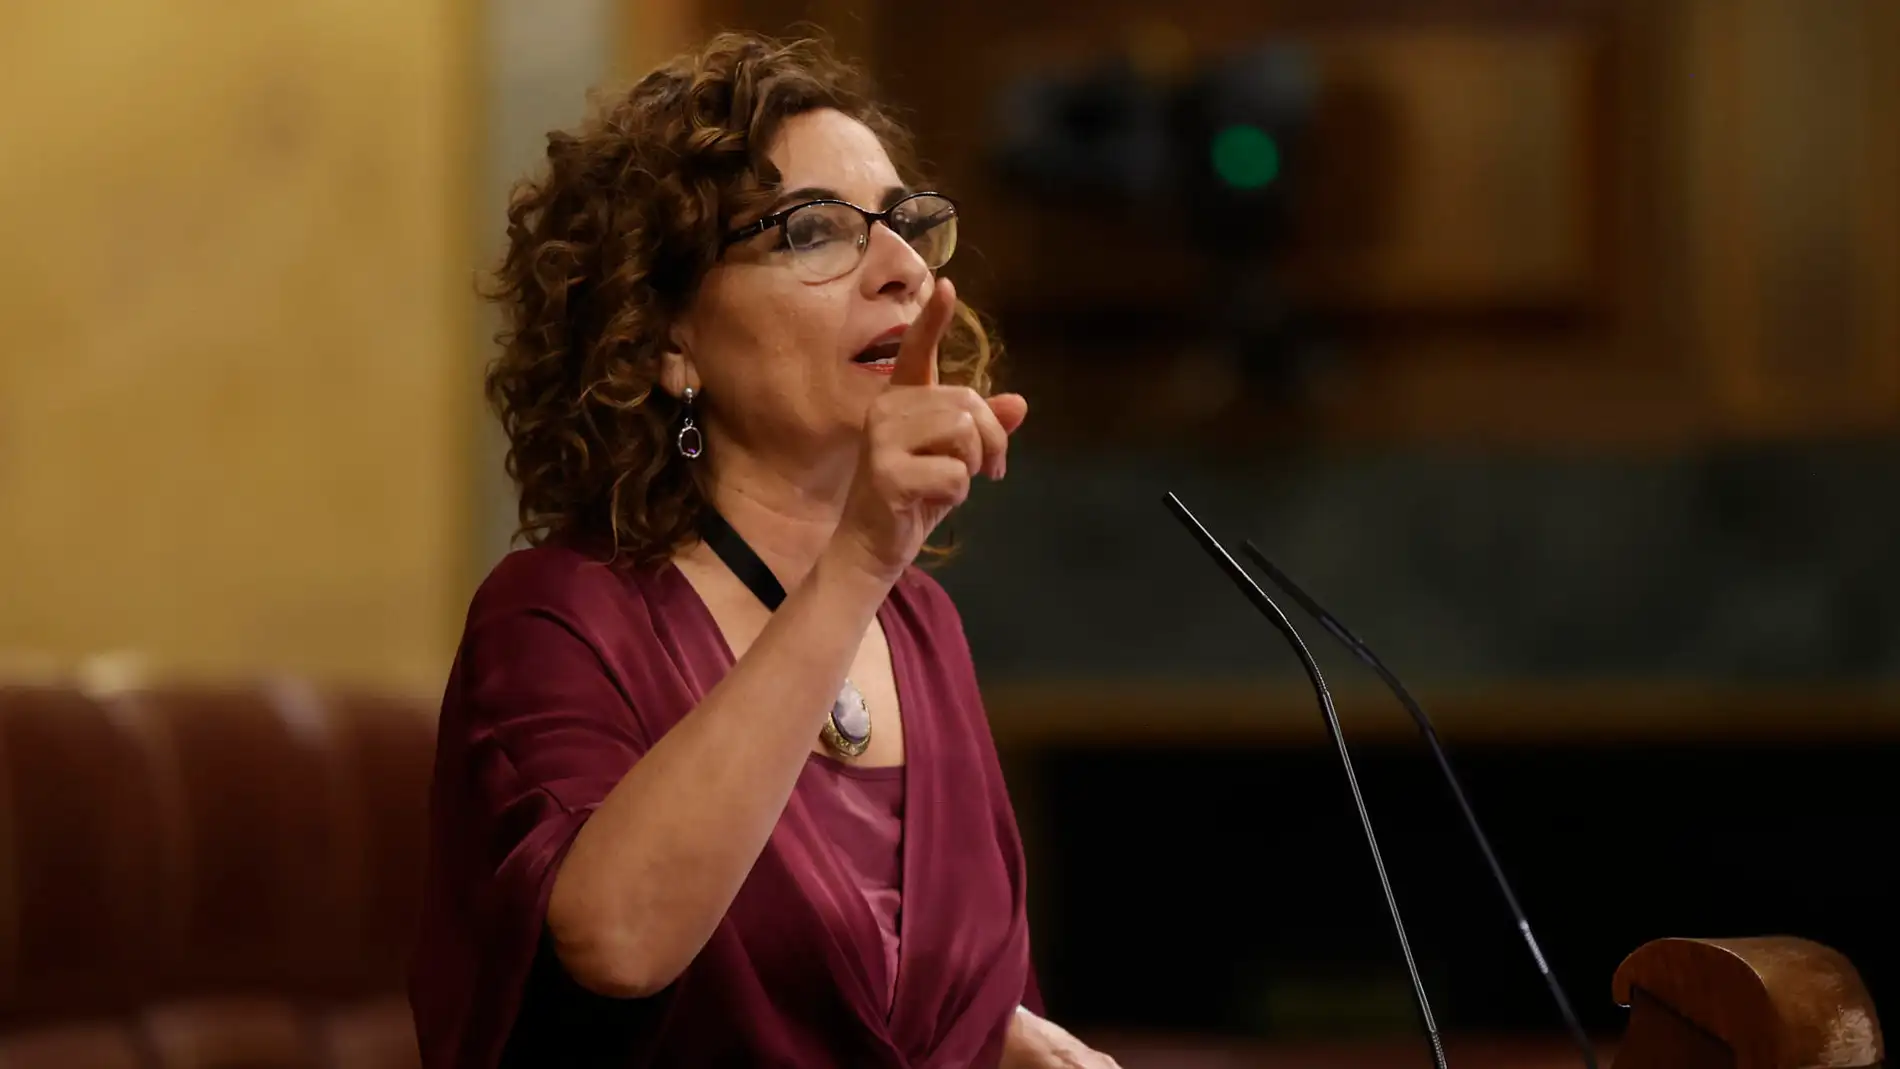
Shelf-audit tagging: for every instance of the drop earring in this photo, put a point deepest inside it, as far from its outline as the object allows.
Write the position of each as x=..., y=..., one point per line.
x=690, y=442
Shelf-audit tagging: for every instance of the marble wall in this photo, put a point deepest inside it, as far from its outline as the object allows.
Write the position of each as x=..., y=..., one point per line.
x=1771, y=564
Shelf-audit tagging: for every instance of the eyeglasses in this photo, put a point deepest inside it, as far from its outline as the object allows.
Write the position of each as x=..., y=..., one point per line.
x=826, y=239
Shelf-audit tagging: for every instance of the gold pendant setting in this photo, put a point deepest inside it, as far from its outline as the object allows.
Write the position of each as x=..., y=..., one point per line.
x=847, y=731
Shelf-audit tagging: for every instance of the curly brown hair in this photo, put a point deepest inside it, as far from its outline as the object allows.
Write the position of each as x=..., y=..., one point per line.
x=607, y=246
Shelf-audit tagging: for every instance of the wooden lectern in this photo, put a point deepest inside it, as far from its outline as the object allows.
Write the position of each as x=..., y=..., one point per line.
x=1769, y=1003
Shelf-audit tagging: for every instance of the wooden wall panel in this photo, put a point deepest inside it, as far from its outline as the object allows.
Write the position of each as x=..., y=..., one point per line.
x=1597, y=223
x=235, y=370
x=1493, y=132
x=1877, y=201
x=1031, y=716
x=1795, y=193
x=1509, y=287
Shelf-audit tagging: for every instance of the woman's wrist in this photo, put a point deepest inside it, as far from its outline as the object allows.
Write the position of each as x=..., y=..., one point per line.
x=852, y=570
x=838, y=591
x=1034, y=1043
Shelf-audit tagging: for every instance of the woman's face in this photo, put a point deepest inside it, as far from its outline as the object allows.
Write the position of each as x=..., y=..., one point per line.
x=773, y=356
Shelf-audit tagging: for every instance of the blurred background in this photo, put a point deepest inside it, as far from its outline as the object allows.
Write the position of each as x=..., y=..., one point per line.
x=1553, y=345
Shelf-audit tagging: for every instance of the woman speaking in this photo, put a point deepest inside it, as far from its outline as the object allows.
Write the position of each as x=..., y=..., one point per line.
x=713, y=781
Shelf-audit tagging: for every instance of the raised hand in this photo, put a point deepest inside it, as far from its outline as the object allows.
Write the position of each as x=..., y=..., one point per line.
x=923, y=443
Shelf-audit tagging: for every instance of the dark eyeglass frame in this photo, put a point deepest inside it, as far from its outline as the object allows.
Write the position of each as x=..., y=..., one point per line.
x=871, y=218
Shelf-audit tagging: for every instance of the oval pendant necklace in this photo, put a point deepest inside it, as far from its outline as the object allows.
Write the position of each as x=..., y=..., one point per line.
x=847, y=731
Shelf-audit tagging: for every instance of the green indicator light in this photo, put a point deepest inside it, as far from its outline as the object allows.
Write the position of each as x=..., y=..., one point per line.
x=1246, y=157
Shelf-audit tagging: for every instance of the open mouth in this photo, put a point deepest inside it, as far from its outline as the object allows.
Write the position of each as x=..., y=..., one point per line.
x=882, y=356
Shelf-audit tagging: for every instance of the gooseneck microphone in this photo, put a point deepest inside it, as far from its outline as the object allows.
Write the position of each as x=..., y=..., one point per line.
x=1371, y=660
x=1280, y=622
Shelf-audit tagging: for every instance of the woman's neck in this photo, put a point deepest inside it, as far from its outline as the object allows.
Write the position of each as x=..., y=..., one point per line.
x=787, y=515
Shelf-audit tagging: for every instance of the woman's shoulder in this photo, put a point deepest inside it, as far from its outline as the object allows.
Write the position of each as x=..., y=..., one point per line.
x=556, y=579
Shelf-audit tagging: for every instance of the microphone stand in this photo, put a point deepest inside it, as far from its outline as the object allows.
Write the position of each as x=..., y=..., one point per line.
x=1371, y=660
x=1280, y=622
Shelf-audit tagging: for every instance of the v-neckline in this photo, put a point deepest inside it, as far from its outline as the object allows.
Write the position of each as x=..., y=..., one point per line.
x=901, y=645
x=884, y=623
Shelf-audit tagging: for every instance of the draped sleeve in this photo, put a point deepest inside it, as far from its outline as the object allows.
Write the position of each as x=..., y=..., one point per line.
x=538, y=725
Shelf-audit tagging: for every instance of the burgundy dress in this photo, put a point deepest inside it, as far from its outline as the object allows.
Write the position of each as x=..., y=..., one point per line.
x=882, y=926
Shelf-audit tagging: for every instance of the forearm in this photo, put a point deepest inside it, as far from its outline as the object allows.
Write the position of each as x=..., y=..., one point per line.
x=657, y=865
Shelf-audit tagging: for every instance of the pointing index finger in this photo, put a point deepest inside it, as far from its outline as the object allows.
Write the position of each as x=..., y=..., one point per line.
x=917, y=356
